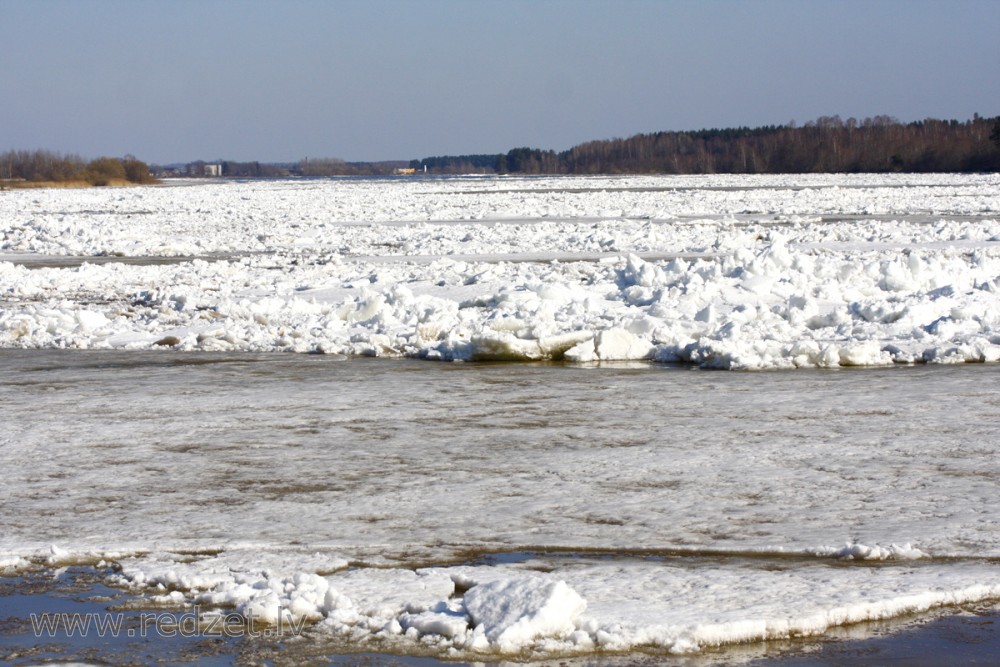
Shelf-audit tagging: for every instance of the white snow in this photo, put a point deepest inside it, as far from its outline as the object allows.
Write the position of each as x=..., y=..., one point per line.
x=765, y=272
x=514, y=612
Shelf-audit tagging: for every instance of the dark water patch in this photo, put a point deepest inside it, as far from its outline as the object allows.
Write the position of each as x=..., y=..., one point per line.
x=70, y=615
x=971, y=637
x=553, y=557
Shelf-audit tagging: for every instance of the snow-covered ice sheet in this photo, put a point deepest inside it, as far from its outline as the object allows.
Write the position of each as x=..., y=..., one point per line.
x=505, y=509
x=740, y=273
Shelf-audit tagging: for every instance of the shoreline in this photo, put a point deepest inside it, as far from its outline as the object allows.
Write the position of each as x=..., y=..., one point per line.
x=6, y=184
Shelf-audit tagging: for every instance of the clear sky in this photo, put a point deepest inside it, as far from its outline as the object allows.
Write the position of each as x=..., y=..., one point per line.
x=180, y=80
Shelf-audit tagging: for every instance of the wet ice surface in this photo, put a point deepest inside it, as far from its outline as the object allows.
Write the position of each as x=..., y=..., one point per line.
x=720, y=271
x=489, y=509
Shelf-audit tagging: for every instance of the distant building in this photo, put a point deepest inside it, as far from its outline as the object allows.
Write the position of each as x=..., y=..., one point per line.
x=213, y=170
x=405, y=171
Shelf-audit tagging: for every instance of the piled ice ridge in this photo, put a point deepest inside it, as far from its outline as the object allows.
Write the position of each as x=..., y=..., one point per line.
x=465, y=611
x=768, y=272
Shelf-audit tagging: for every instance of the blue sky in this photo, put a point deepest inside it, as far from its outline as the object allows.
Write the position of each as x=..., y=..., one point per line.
x=181, y=80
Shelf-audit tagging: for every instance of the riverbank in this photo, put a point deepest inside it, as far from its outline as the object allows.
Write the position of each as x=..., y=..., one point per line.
x=18, y=184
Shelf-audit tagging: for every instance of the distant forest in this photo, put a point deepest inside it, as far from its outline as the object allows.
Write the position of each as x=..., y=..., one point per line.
x=306, y=168
x=828, y=144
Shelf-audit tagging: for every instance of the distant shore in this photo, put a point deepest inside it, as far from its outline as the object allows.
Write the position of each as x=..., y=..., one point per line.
x=17, y=184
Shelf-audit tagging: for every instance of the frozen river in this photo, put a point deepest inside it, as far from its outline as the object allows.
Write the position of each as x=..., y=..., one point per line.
x=539, y=466
x=617, y=507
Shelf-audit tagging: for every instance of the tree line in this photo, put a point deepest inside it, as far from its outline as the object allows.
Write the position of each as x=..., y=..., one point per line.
x=828, y=144
x=40, y=166
x=305, y=168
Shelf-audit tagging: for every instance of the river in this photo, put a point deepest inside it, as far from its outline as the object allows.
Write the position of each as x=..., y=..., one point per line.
x=688, y=508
